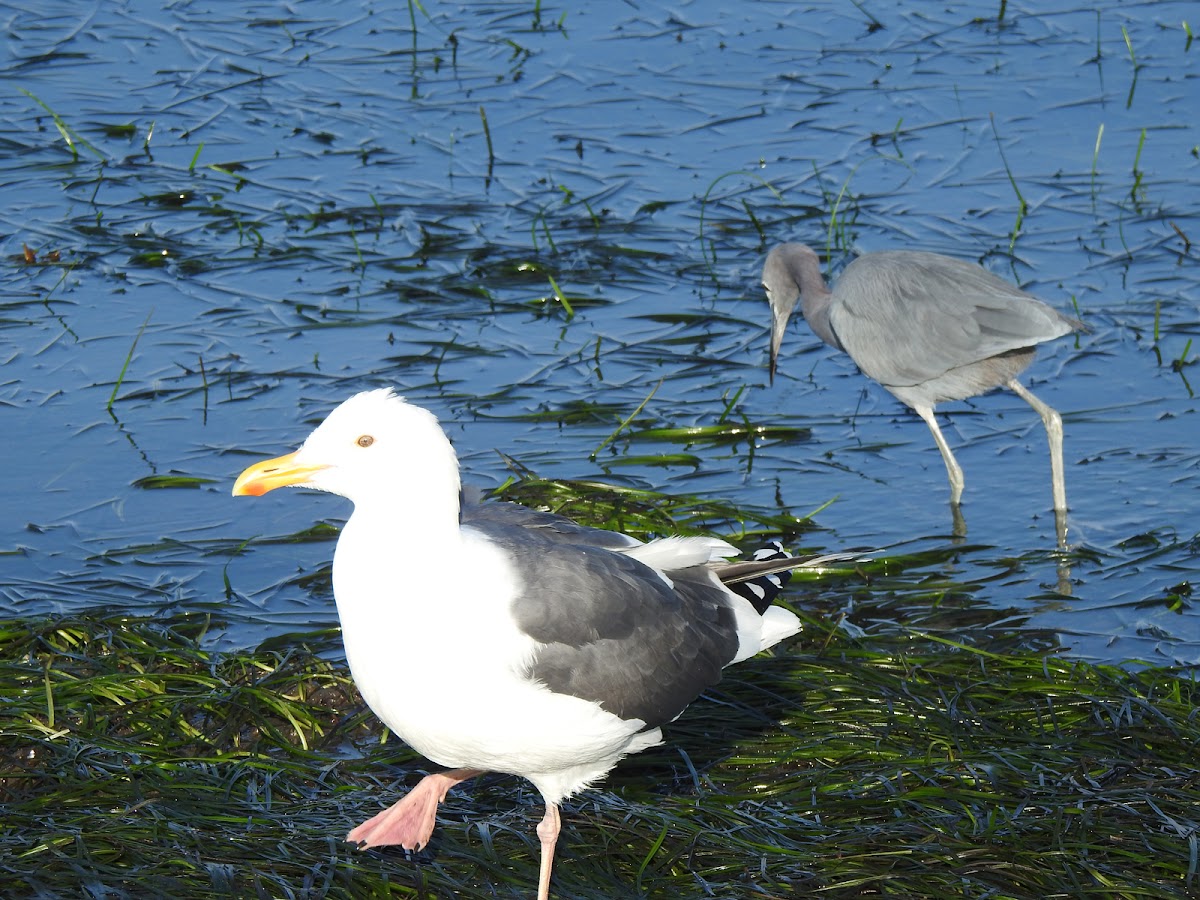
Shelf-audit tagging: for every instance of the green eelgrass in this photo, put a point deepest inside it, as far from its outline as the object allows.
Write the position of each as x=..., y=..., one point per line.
x=625, y=422
x=487, y=134
x=707, y=252
x=645, y=513
x=125, y=365
x=1136, y=67
x=1137, y=173
x=1022, y=206
x=896, y=760
x=561, y=298
x=137, y=763
x=1095, y=160
x=844, y=206
x=70, y=137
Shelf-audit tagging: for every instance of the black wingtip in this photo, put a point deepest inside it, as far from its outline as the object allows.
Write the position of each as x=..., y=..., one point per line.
x=762, y=590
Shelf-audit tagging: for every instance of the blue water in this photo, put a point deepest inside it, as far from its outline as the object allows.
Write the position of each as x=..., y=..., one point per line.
x=300, y=205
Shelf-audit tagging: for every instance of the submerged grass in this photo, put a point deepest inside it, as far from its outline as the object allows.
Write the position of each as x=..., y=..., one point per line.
x=646, y=513
x=70, y=136
x=1022, y=206
x=137, y=763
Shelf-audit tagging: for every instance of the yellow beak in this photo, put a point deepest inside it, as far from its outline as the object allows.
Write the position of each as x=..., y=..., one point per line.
x=282, y=471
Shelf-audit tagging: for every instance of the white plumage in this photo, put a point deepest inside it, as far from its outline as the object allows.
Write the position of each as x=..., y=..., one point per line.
x=491, y=637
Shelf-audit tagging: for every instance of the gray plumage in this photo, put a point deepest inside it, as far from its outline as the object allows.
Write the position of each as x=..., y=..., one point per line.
x=480, y=513
x=612, y=630
x=927, y=327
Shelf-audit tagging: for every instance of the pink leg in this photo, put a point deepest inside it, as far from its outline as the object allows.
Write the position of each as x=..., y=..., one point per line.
x=409, y=822
x=547, y=832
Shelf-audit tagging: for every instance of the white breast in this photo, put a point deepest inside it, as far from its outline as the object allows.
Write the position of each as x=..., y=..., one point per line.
x=437, y=656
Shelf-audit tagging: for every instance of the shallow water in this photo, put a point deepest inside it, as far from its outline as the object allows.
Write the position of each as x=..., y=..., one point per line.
x=300, y=204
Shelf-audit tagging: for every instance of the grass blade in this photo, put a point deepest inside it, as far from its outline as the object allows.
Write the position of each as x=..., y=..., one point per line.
x=125, y=368
x=562, y=298
x=1022, y=206
x=608, y=440
x=68, y=135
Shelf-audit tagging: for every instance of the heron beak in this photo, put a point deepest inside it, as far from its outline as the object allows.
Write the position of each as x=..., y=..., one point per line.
x=282, y=471
x=778, y=327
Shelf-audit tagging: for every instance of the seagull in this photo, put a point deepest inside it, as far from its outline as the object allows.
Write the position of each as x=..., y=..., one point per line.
x=492, y=637
x=927, y=327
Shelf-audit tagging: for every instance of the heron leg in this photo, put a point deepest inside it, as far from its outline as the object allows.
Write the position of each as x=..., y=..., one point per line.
x=409, y=822
x=1054, y=431
x=547, y=832
x=953, y=469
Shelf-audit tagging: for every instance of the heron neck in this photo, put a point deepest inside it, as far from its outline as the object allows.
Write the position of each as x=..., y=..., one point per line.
x=816, y=300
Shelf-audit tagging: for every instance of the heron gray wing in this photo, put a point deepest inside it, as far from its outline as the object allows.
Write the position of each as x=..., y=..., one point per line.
x=611, y=629
x=956, y=314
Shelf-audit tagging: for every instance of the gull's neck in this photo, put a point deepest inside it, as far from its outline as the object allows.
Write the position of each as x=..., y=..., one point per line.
x=405, y=525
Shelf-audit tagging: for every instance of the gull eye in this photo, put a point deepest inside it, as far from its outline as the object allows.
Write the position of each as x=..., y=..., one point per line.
x=365, y=441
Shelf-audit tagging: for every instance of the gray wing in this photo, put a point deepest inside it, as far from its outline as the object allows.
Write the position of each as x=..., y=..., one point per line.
x=611, y=629
x=907, y=317
x=502, y=514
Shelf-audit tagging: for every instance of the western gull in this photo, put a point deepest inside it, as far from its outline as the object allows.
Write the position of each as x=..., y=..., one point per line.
x=523, y=642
